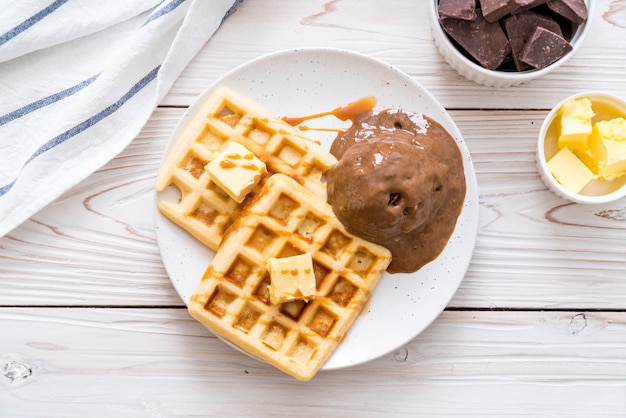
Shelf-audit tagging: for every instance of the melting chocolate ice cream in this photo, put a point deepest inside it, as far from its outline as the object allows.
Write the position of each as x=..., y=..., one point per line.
x=400, y=183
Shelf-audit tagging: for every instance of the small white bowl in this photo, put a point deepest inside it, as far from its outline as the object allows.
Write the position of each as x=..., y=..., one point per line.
x=495, y=78
x=606, y=106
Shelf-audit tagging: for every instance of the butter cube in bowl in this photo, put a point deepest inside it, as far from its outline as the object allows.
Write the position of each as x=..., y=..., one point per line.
x=581, y=148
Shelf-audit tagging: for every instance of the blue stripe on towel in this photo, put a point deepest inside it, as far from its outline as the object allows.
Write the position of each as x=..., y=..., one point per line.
x=7, y=36
x=232, y=9
x=87, y=123
x=53, y=98
x=163, y=10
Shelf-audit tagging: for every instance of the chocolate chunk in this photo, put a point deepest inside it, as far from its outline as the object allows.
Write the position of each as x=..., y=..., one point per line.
x=493, y=10
x=459, y=9
x=520, y=27
x=529, y=3
x=523, y=5
x=543, y=48
x=573, y=10
x=484, y=41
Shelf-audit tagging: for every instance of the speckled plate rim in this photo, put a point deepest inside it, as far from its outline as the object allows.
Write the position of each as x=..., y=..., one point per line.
x=309, y=80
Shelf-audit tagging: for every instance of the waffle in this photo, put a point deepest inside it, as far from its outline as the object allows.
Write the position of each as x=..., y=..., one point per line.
x=204, y=210
x=232, y=300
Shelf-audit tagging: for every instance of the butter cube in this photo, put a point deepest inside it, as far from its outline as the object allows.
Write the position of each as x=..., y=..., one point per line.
x=291, y=278
x=576, y=125
x=612, y=134
x=594, y=156
x=236, y=170
x=570, y=171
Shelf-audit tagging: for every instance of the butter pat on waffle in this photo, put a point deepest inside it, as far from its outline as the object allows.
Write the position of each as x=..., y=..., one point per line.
x=206, y=211
x=232, y=300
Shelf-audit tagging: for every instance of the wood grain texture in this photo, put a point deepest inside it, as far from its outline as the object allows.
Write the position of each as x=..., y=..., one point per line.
x=96, y=245
x=399, y=33
x=160, y=362
x=537, y=248
x=91, y=325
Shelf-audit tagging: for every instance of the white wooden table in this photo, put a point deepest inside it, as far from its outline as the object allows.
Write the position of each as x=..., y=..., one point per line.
x=90, y=324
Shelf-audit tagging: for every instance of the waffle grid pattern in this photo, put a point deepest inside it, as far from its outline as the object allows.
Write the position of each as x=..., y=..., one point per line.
x=204, y=210
x=233, y=301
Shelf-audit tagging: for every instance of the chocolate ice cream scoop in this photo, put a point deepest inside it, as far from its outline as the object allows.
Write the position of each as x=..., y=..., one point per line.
x=377, y=125
x=399, y=182
x=385, y=188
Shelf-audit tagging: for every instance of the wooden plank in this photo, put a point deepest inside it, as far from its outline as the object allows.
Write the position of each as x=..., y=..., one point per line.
x=160, y=362
x=127, y=347
x=533, y=245
x=398, y=32
x=96, y=245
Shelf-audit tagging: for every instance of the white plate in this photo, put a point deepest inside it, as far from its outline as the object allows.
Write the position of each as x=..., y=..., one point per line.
x=311, y=80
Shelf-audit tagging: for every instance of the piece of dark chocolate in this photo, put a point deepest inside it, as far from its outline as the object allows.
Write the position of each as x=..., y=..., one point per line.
x=520, y=27
x=459, y=9
x=523, y=5
x=573, y=10
x=492, y=10
x=483, y=40
x=543, y=48
x=529, y=3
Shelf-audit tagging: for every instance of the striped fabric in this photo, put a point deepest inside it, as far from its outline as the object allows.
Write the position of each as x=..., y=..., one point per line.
x=78, y=80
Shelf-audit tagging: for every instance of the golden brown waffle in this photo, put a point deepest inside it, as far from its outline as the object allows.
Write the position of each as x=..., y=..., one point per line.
x=204, y=210
x=232, y=300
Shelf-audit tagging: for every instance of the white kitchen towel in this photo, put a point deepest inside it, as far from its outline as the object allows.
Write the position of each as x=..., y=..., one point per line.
x=78, y=81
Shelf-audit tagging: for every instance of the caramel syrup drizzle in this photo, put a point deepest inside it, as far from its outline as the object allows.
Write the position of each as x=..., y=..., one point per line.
x=348, y=111
x=295, y=271
x=228, y=162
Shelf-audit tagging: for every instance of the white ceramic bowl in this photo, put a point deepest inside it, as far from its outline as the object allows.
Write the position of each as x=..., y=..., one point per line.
x=606, y=106
x=494, y=78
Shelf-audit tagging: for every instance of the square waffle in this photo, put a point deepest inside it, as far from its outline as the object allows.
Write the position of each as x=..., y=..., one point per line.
x=204, y=210
x=297, y=337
